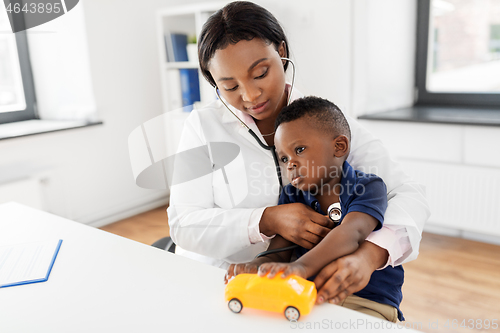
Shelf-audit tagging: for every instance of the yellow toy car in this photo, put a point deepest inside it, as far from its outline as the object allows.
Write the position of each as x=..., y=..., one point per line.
x=292, y=295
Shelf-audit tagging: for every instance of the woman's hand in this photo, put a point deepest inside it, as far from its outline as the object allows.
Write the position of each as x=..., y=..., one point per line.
x=250, y=267
x=287, y=268
x=349, y=274
x=297, y=223
x=235, y=269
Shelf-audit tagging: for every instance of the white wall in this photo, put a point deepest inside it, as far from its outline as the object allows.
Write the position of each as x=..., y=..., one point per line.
x=360, y=54
x=384, y=34
x=319, y=34
x=87, y=174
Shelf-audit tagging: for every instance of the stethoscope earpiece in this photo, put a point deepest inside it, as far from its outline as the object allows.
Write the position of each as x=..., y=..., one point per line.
x=293, y=79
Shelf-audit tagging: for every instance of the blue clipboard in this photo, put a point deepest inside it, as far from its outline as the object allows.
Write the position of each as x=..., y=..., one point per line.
x=28, y=281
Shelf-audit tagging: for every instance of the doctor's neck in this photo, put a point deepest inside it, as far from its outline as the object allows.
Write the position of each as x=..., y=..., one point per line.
x=266, y=126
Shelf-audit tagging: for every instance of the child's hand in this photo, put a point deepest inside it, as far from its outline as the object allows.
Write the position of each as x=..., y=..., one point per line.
x=235, y=269
x=287, y=268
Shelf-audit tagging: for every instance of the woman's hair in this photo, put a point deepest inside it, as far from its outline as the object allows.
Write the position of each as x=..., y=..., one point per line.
x=238, y=20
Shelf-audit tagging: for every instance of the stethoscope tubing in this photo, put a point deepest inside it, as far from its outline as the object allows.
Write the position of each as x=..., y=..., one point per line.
x=266, y=147
x=252, y=133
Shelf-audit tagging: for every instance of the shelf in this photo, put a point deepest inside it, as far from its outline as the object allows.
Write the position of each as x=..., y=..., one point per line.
x=180, y=64
x=458, y=115
x=208, y=8
x=38, y=126
x=187, y=20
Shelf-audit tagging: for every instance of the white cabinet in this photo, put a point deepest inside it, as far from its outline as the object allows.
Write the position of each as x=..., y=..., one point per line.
x=186, y=20
x=459, y=168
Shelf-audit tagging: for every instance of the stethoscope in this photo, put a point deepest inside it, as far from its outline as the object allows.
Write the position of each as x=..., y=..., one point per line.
x=334, y=213
x=334, y=210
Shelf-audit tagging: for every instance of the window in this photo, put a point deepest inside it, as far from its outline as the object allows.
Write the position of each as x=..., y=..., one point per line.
x=458, y=52
x=17, y=93
x=495, y=41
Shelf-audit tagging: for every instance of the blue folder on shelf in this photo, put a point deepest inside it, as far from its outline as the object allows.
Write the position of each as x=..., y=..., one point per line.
x=27, y=263
x=176, y=44
x=190, y=86
x=179, y=45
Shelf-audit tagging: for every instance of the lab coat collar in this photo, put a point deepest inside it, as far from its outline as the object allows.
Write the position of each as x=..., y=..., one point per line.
x=229, y=118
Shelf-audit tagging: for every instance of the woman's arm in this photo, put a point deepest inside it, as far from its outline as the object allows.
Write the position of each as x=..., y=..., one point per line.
x=297, y=223
x=277, y=242
x=341, y=241
x=407, y=209
x=364, y=210
x=196, y=222
x=203, y=221
x=349, y=274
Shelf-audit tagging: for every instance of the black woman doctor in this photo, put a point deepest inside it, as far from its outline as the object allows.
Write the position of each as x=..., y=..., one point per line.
x=229, y=215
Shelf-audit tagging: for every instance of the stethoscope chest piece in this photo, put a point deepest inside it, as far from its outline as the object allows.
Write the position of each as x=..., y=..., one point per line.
x=335, y=213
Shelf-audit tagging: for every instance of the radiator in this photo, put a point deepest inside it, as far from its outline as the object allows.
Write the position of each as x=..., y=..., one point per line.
x=461, y=197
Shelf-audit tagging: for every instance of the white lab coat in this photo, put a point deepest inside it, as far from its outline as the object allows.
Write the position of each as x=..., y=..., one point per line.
x=214, y=218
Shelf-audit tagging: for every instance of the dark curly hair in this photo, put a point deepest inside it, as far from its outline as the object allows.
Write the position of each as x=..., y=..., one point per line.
x=326, y=115
x=238, y=20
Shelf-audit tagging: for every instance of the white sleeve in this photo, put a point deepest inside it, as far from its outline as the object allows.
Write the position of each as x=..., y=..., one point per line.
x=394, y=240
x=407, y=209
x=196, y=223
x=254, y=233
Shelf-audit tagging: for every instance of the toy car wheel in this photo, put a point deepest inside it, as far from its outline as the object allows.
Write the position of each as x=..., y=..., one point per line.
x=235, y=305
x=291, y=313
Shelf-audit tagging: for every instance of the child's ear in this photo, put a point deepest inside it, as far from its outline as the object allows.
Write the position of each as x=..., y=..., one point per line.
x=341, y=145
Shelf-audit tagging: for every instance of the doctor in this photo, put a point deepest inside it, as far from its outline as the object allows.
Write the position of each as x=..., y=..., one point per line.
x=228, y=215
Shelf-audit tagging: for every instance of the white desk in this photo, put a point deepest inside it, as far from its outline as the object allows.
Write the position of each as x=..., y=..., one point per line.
x=101, y=282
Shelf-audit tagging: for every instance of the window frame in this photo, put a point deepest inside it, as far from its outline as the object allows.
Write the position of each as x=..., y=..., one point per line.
x=424, y=97
x=30, y=112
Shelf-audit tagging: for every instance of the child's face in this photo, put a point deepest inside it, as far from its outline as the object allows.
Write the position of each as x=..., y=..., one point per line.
x=310, y=157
